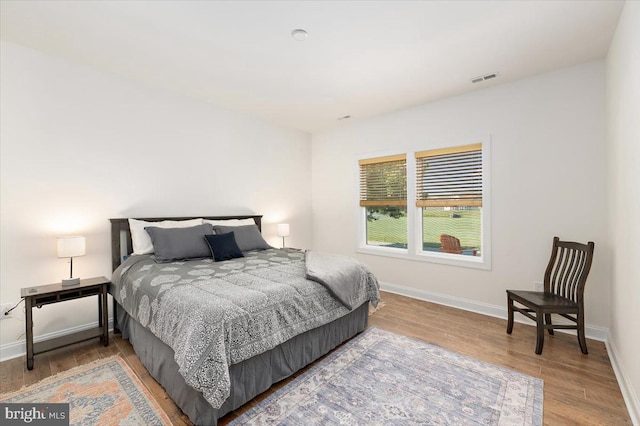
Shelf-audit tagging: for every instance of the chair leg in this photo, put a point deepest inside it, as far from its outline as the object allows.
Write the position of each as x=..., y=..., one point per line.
x=581, y=338
x=539, y=332
x=547, y=320
x=509, y=315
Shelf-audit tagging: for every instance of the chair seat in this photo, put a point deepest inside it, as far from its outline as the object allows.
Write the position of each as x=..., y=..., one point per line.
x=543, y=300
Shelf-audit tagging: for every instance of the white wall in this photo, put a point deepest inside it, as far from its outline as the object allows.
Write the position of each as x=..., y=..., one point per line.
x=623, y=149
x=79, y=146
x=548, y=178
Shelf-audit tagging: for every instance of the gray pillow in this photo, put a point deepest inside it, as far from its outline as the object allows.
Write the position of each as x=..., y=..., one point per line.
x=172, y=244
x=248, y=237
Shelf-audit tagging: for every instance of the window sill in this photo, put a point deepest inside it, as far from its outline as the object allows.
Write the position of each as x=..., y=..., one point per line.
x=474, y=262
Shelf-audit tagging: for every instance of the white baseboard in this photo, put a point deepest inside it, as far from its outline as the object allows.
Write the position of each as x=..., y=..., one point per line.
x=19, y=348
x=628, y=393
x=590, y=331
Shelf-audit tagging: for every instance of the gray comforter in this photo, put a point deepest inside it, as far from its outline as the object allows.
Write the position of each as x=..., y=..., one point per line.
x=214, y=314
x=338, y=274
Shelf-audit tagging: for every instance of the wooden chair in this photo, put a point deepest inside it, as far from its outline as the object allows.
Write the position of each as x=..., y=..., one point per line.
x=564, y=282
x=450, y=244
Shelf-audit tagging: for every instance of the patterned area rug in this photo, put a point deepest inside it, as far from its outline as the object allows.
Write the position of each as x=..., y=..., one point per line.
x=381, y=378
x=104, y=392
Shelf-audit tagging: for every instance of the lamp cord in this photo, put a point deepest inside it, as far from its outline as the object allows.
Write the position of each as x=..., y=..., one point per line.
x=14, y=306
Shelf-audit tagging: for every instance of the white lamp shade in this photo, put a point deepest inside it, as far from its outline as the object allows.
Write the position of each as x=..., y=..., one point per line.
x=283, y=230
x=71, y=246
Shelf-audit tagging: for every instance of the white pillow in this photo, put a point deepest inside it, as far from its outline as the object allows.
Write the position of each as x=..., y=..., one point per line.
x=142, y=241
x=230, y=222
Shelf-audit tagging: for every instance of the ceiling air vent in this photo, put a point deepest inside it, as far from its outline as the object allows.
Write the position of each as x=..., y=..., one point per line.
x=484, y=77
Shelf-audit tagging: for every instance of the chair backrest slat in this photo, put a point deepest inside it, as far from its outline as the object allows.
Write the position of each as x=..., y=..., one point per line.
x=571, y=272
x=577, y=272
x=563, y=268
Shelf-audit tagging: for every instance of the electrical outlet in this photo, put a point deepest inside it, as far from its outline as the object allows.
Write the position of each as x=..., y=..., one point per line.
x=538, y=286
x=3, y=309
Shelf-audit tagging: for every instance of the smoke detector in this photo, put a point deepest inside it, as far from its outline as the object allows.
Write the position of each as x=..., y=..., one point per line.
x=299, y=35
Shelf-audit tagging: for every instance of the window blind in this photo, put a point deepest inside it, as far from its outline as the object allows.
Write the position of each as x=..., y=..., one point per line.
x=449, y=177
x=383, y=181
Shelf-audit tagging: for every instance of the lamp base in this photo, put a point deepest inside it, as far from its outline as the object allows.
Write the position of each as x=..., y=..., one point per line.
x=70, y=281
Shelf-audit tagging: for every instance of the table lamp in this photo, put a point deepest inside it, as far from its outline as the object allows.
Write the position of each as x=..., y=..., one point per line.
x=283, y=231
x=71, y=247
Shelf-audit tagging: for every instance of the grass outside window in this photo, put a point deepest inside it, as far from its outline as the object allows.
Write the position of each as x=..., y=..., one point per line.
x=462, y=223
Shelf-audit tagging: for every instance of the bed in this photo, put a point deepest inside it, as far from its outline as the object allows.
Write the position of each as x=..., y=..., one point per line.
x=215, y=334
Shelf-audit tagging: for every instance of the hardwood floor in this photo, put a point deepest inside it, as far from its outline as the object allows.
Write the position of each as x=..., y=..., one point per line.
x=578, y=389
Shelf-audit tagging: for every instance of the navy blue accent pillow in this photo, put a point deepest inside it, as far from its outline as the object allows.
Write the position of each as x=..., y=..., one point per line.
x=223, y=246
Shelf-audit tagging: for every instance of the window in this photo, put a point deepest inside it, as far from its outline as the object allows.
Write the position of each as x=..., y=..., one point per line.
x=449, y=196
x=383, y=195
x=433, y=209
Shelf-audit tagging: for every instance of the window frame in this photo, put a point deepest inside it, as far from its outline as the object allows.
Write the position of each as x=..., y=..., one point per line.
x=414, y=250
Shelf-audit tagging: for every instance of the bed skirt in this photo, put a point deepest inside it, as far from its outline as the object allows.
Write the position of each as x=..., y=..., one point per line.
x=248, y=378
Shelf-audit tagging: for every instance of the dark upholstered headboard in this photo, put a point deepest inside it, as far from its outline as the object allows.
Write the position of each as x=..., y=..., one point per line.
x=121, y=234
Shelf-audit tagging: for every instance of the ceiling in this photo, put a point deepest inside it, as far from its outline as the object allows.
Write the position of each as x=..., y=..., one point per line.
x=362, y=58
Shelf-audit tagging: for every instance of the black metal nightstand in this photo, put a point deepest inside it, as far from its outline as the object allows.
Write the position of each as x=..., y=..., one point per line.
x=54, y=293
